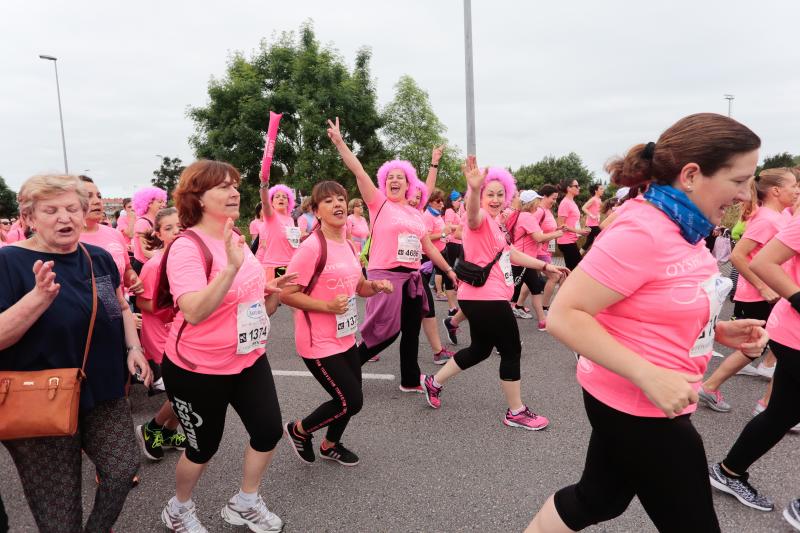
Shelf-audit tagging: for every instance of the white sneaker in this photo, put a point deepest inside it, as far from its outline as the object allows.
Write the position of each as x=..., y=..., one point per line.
x=522, y=313
x=748, y=370
x=258, y=518
x=765, y=371
x=159, y=384
x=185, y=522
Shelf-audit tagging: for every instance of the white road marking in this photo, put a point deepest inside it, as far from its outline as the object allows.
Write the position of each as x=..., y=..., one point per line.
x=306, y=374
x=716, y=354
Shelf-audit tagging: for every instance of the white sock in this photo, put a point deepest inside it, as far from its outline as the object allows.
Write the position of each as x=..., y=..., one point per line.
x=517, y=411
x=178, y=507
x=246, y=500
x=436, y=383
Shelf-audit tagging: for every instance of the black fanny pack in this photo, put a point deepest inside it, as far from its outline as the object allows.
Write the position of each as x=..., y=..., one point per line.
x=471, y=273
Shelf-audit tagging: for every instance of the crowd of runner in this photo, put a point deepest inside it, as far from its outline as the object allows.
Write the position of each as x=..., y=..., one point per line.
x=182, y=305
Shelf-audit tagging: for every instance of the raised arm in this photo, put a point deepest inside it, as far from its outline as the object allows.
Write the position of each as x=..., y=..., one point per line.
x=365, y=184
x=475, y=179
x=433, y=171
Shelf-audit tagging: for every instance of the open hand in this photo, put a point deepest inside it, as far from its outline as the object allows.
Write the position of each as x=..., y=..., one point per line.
x=46, y=286
x=276, y=285
x=436, y=155
x=234, y=245
x=473, y=174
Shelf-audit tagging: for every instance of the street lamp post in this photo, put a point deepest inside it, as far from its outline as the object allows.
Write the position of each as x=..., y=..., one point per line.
x=470, y=82
x=729, y=98
x=60, y=116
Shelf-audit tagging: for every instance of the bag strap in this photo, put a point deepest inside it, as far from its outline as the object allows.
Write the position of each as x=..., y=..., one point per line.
x=94, y=308
x=372, y=226
x=319, y=266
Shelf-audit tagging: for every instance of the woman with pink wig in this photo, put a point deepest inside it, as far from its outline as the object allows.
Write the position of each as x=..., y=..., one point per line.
x=492, y=323
x=146, y=203
x=399, y=238
x=279, y=237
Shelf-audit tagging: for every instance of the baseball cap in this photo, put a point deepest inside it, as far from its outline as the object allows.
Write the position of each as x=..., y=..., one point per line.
x=529, y=196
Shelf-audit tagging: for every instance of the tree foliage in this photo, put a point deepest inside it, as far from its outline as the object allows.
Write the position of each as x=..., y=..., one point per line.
x=554, y=170
x=8, y=200
x=308, y=83
x=411, y=130
x=167, y=175
x=780, y=160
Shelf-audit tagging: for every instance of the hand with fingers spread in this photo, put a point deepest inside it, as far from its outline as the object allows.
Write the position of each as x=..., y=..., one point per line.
x=276, y=285
x=669, y=390
x=436, y=156
x=338, y=305
x=46, y=287
x=234, y=246
x=473, y=174
x=334, y=133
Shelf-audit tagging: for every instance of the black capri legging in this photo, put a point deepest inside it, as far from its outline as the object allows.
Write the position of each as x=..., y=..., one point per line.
x=530, y=277
x=201, y=402
x=572, y=256
x=660, y=460
x=491, y=325
x=594, y=231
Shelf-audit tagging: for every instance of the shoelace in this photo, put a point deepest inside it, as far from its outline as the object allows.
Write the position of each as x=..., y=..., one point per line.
x=177, y=438
x=264, y=514
x=158, y=439
x=190, y=520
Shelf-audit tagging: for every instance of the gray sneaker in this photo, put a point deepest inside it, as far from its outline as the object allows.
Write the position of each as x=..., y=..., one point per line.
x=257, y=518
x=738, y=487
x=714, y=400
x=792, y=514
x=184, y=522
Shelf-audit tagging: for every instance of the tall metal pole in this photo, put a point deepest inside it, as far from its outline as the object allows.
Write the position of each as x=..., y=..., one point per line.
x=729, y=98
x=60, y=115
x=470, y=82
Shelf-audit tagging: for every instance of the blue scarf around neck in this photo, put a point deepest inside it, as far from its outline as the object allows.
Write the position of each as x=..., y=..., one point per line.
x=434, y=212
x=681, y=210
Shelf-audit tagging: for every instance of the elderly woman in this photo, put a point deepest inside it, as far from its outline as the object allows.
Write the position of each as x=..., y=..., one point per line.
x=45, y=308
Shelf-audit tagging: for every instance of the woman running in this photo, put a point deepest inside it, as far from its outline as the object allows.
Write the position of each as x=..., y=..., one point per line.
x=492, y=323
x=161, y=432
x=569, y=219
x=325, y=324
x=146, y=203
x=642, y=310
x=279, y=237
x=527, y=281
x=453, y=217
x=773, y=192
x=782, y=413
x=215, y=351
x=592, y=211
x=357, y=225
x=398, y=241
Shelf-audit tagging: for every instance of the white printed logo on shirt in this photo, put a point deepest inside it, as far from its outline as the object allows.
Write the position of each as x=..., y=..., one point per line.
x=716, y=289
x=252, y=327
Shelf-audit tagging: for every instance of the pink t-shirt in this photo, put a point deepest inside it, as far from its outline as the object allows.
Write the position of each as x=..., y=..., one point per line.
x=112, y=242
x=255, y=227
x=15, y=234
x=340, y=276
x=454, y=219
x=278, y=240
x=122, y=227
x=396, y=234
x=673, y=293
x=154, y=331
x=761, y=227
x=523, y=234
x=572, y=216
x=213, y=343
x=359, y=230
x=480, y=247
x=435, y=225
x=593, y=208
x=783, y=325
x=142, y=226
x=306, y=223
x=549, y=225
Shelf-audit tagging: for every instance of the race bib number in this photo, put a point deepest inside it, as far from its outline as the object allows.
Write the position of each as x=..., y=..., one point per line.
x=505, y=267
x=347, y=322
x=409, y=249
x=293, y=236
x=252, y=327
x=551, y=246
x=716, y=289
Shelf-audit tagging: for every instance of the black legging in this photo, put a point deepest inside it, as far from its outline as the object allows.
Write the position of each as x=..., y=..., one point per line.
x=572, y=256
x=3, y=518
x=410, y=326
x=594, y=231
x=530, y=277
x=660, y=460
x=340, y=376
x=767, y=428
x=491, y=325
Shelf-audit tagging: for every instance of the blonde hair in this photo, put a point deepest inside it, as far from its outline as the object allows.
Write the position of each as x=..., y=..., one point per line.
x=46, y=186
x=761, y=184
x=351, y=205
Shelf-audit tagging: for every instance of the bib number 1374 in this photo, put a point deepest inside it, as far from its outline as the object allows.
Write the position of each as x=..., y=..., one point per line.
x=252, y=327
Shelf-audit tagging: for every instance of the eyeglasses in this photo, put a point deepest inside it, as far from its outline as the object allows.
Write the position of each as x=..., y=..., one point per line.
x=575, y=185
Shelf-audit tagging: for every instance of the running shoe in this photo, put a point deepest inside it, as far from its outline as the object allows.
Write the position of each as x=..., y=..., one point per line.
x=301, y=444
x=173, y=439
x=432, y=392
x=525, y=420
x=452, y=331
x=340, y=454
x=375, y=359
x=542, y=326
x=418, y=389
x=739, y=488
x=184, y=522
x=765, y=371
x=748, y=370
x=257, y=518
x=714, y=400
x=452, y=312
x=759, y=408
x=151, y=440
x=792, y=514
x=520, y=312
x=442, y=357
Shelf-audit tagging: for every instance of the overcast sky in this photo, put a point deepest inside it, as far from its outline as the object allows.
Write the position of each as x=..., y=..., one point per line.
x=592, y=77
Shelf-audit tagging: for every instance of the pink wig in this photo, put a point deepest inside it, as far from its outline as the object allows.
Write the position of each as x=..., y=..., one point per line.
x=289, y=193
x=145, y=196
x=505, y=178
x=398, y=164
x=423, y=198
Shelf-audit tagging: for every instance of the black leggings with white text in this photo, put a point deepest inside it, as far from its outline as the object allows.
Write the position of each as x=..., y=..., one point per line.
x=491, y=325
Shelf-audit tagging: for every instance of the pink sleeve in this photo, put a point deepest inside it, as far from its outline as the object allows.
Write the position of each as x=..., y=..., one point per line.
x=528, y=223
x=141, y=226
x=148, y=276
x=760, y=230
x=790, y=235
x=616, y=260
x=304, y=260
x=377, y=201
x=185, y=268
x=122, y=224
x=302, y=223
x=563, y=209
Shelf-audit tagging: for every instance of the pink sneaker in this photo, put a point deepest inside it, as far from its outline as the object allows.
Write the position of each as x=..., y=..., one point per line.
x=542, y=326
x=525, y=420
x=431, y=392
x=442, y=357
x=419, y=389
x=374, y=359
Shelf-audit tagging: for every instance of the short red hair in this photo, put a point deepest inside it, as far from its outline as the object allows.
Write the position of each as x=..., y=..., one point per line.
x=195, y=180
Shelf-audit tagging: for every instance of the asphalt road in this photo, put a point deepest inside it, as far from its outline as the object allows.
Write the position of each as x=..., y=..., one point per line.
x=455, y=469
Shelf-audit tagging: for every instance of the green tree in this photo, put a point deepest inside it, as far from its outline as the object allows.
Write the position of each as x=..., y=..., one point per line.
x=306, y=82
x=778, y=160
x=8, y=200
x=553, y=170
x=167, y=175
x=411, y=130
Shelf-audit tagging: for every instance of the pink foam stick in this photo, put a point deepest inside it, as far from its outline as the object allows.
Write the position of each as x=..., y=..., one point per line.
x=269, y=144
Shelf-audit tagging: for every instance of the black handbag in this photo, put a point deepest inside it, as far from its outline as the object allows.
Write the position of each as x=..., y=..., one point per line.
x=471, y=273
